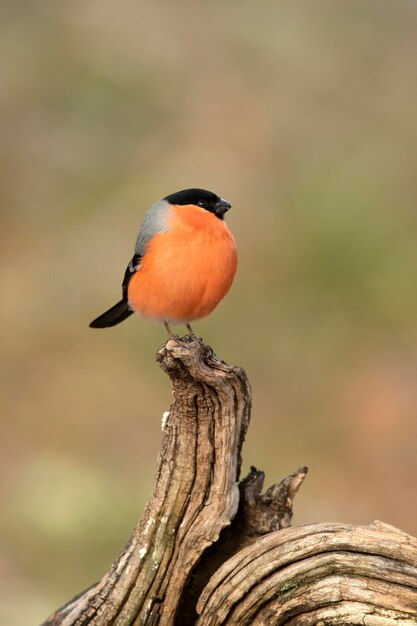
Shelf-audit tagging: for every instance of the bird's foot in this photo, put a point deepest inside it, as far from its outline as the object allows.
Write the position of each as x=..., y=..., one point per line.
x=170, y=333
x=193, y=335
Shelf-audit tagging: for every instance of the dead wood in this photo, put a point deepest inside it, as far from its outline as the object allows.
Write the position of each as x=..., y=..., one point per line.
x=318, y=574
x=210, y=551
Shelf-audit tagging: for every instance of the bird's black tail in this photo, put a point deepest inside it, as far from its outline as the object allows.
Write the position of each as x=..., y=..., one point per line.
x=113, y=316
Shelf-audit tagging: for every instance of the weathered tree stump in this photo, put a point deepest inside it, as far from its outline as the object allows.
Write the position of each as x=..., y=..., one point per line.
x=209, y=551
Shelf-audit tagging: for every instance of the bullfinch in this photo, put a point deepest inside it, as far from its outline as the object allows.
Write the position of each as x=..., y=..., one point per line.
x=183, y=265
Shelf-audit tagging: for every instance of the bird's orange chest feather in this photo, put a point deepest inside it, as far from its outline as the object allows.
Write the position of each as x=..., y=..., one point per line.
x=186, y=270
x=198, y=224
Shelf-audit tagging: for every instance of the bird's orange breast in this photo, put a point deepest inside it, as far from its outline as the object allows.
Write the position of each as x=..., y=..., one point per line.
x=187, y=269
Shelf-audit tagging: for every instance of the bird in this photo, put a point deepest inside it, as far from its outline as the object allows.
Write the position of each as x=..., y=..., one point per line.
x=184, y=262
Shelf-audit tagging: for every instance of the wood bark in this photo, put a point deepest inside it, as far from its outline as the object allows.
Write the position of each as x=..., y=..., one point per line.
x=210, y=551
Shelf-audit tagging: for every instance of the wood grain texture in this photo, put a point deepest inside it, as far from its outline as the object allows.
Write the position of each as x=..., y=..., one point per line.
x=209, y=551
x=322, y=573
x=195, y=494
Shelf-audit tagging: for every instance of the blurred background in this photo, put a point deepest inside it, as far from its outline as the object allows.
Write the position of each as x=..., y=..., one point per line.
x=304, y=115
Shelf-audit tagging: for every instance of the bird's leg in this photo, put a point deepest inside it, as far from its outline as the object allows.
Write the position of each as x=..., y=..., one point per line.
x=190, y=330
x=170, y=333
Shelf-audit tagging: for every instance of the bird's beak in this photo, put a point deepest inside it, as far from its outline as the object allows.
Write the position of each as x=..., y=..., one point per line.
x=221, y=207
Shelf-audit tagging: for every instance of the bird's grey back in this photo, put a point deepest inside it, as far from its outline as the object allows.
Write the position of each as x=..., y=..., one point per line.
x=155, y=221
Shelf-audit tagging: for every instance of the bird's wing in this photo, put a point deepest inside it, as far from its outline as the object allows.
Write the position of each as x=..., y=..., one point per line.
x=155, y=222
x=130, y=270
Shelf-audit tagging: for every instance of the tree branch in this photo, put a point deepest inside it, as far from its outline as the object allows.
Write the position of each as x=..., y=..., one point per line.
x=208, y=551
x=318, y=574
x=195, y=494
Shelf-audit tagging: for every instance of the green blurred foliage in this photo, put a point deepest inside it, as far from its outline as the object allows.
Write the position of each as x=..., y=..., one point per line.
x=304, y=115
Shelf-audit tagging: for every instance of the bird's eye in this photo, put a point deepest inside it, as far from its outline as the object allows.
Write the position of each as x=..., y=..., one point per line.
x=202, y=203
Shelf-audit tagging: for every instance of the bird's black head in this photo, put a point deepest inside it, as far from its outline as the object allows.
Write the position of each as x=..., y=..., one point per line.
x=202, y=198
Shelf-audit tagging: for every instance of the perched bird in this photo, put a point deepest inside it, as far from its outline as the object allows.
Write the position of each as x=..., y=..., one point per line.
x=183, y=265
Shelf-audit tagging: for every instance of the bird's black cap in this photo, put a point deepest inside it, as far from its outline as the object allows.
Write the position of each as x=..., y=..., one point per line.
x=202, y=198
